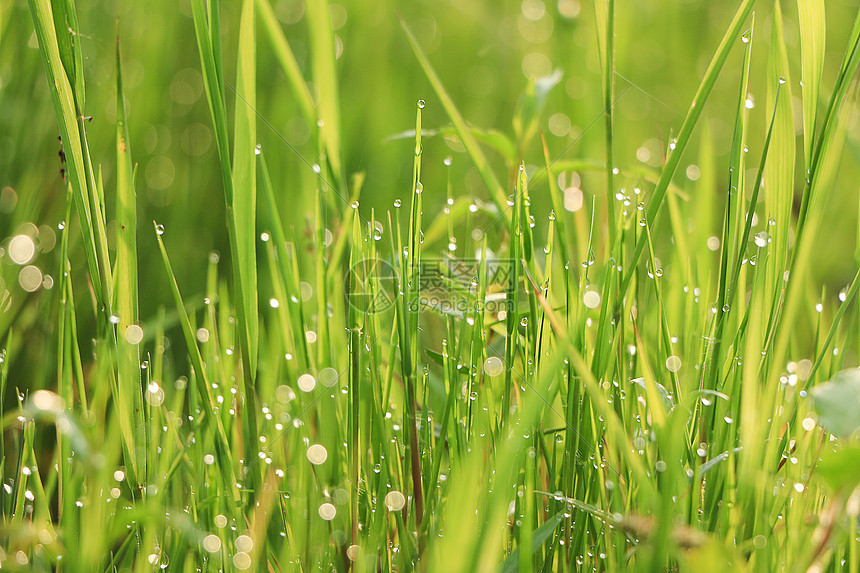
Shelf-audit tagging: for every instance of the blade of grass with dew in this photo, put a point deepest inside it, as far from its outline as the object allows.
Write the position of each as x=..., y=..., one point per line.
x=810, y=17
x=512, y=298
x=822, y=158
x=557, y=205
x=477, y=156
x=823, y=170
x=409, y=325
x=677, y=148
x=729, y=242
x=203, y=385
x=242, y=214
x=347, y=214
x=779, y=169
x=287, y=268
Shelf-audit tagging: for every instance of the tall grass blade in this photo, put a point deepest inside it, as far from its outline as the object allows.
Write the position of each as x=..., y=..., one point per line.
x=810, y=16
x=477, y=156
x=325, y=77
x=125, y=297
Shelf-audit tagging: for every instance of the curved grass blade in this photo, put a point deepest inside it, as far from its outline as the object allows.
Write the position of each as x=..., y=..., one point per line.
x=287, y=60
x=676, y=150
x=478, y=158
x=203, y=385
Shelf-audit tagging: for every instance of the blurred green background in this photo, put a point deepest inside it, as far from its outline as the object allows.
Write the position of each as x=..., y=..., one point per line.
x=484, y=51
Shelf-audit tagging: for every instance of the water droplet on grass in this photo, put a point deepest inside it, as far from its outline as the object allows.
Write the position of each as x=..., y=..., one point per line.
x=317, y=454
x=673, y=364
x=493, y=366
x=395, y=501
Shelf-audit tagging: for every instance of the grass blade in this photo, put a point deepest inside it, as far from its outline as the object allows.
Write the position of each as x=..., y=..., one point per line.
x=810, y=16
x=287, y=60
x=125, y=298
x=325, y=77
x=477, y=156
x=676, y=149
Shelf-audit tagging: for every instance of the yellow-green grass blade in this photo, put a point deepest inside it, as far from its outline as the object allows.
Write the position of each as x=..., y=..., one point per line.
x=833, y=138
x=66, y=19
x=830, y=122
x=347, y=215
x=608, y=62
x=125, y=295
x=477, y=156
x=67, y=111
x=825, y=161
x=244, y=203
x=125, y=281
x=325, y=77
x=287, y=59
x=779, y=169
x=810, y=15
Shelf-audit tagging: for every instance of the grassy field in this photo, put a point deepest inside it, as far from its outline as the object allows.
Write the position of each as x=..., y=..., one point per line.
x=429, y=286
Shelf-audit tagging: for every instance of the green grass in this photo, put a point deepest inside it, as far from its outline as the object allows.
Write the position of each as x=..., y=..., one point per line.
x=606, y=322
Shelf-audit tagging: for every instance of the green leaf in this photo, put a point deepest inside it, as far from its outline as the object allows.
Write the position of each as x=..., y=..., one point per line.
x=837, y=403
x=840, y=469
